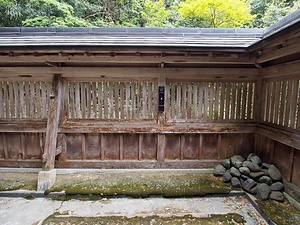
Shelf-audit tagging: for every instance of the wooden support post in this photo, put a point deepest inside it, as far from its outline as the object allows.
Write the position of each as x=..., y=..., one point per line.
x=55, y=106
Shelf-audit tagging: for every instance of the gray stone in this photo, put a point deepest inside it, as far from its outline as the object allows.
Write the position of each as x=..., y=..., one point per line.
x=278, y=186
x=219, y=170
x=256, y=175
x=226, y=163
x=249, y=184
x=246, y=163
x=263, y=191
x=274, y=173
x=265, y=179
x=250, y=155
x=244, y=170
x=255, y=159
x=265, y=171
x=235, y=182
x=237, y=161
x=227, y=176
x=244, y=177
x=253, y=190
x=254, y=167
x=277, y=195
x=235, y=172
x=46, y=180
x=266, y=165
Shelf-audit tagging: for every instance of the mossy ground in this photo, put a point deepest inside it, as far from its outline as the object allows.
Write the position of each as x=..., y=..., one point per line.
x=280, y=213
x=226, y=219
x=16, y=181
x=143, y=184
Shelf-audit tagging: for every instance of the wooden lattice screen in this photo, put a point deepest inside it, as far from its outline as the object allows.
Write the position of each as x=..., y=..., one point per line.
x=210, y=100
x=281, y=103
x=22, y=100
x=112, y=100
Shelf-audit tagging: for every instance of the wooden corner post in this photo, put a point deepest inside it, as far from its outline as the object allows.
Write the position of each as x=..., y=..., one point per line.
x=55, y=105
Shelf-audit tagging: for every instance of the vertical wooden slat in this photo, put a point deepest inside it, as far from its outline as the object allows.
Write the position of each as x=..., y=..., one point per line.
x=27, y=100
x=294, y=103
x=272, y=103
x=167, y=100
x=244, y=102
x=189, y=100
x=88, y=99
x=282, y=103
x=222, y=102
x=93, y=100
x=211, y=100
x=1, y=100
x=5, y=149
x=133, y=100
x=217, y=101
x=127, y=101
x=111, y=100
x=105, y=100
x=144, y=101
x=233, y=102
x=117, y=106
x=227, y=106
x=155, y=99
x=11, y=100
x=38, y=99
x=205, y=110
x=150, y=100
x=239, y=101
x=102, y=149
x=276, y=102
x=100, y=100
x=17, y=102
x=83, y=99
x=266, y=101
x=178, y=108
x=140, y=151
x=5, y=100
x=184, y=101
x=77, y=98
x=249, y=101
x=288, y=104
x=43, y=98
x=182, y=144
x=195, y=100
x=122, y=104
x=298, y=105
x=23, y=143
x=32, y=100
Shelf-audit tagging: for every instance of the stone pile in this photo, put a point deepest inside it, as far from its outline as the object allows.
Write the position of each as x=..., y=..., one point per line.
x=255, y=177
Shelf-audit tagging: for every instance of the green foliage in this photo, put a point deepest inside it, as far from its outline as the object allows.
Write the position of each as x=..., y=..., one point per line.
x=155, y=14
x=215, y=13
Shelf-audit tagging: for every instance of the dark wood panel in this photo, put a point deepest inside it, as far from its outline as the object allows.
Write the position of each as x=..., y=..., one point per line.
x=93, y=146
x=210, y=146
x=14, y=146
x=296, y=168
x=189, y=146
x=172, y=150
x=283, y=159
x=244, y=144
x=227, y=145
x=130, y=146
x=148, y=146
x=32, y=146
x=74, y=144
x=110, y=144
x=2, y=137
x=265, y=149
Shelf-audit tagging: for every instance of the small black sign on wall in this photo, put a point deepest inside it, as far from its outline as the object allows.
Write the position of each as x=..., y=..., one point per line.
x=161, y=98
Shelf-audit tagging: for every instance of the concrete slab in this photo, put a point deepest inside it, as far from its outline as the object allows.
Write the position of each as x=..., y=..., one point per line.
x=46, y=180
x=21, y=211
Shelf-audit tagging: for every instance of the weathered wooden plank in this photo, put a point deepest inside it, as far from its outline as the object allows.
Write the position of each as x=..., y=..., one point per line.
x=206, y=101
x=250, y=101
x=172, y=147
x=283, y=103
x=111, y=101
x=62, y=145
x=32, y=100
x=88, y=106
x=111, y=146
x=222, y=101
x=296, y=168
x=131, y=147
x=189, y=146
x=244, y=100
x=105, y=100
x=227, y=145
x=144, y=116
x=14, y=146
x=100, y=101
x=178, y=108
x=288, y=104
x=127, y=100
x=5, y=147
x=11, y=100
x=77, y=100
x=150, y=100
x=17, y=102
x=211, y=100
x=217, y=102
x=74, y=146
x=32, y=145
x=94, y=99
x=52, y=124
x=195, y=100
x=294, y=103
x=189, y=100
x=83, y=147
x=2, y=100
x=227, y=101
x=233, y=102
x=210, y=146
x=184, y=101
x=121, y=147
x=298, y=113
x=6, y=102
x=161, y=147
x=200, y=150
x=148, y=146
x=239, y=101
x=122, y=103
x=116, y=99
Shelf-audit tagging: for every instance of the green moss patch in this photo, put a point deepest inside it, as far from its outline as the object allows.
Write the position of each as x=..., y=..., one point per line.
x=16, y=181
x=226, y=219
x=142, y=184
x=280, y=213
